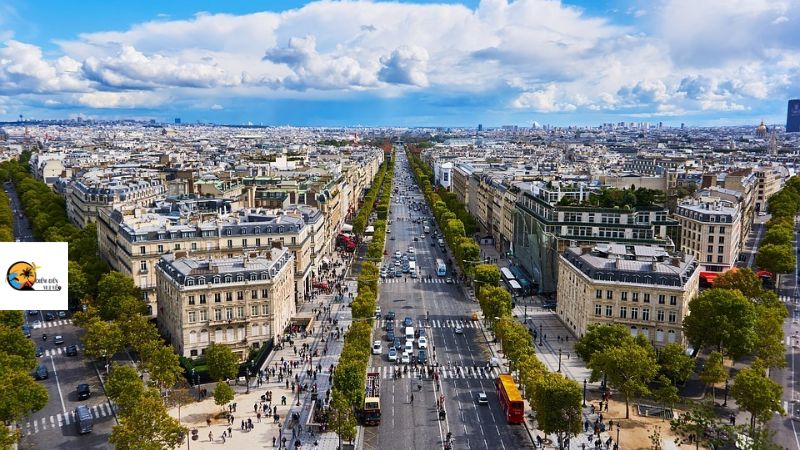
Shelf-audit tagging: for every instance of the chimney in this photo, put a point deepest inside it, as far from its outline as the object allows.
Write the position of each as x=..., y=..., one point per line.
x=276, y=244
x=654, y=266
x=585, y=250
x=181, y=254
x=676, y=261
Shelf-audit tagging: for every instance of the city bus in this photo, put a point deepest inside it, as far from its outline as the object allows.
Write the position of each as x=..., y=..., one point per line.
x=510, y=399
x=506, y=275
x=441, y=269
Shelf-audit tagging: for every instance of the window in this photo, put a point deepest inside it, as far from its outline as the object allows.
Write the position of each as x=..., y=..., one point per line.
x=673, y=300
x=662, y=299
x=645, y=313
x=598, y=309
x=240, y=312
x=646, y=297
x=673, y=316
x=721, y=249
x=708, y=258
x=721, y=240
x=660, y=315
x=142, y=250
x=258, y=242
x=143, y=266
x=230, y=243
x=634, y=313
x=229, y=313
x=203, y=315
x=623, y=312
x=228, y=296
x=244, y=230
x=253, y=310
x=177, y=246
x=710, y=249
x=201, y=281
x=160, y=248
x=228, y=232
x=254, y=294
x=719, y=258
x=194, y=245
x=598, y=293
x=265, y=309
x=217, y=314
x=239, y=295
x=244, y=242
x=202, y=299
x=192, y=317
x=191, y=299
x=217, y=297
x=623, y=296
x=294, y=240
x=190, y=281
x=609, y=310
x=264, y=293
x=635, y=296
x=610, y=295
x=711, y=230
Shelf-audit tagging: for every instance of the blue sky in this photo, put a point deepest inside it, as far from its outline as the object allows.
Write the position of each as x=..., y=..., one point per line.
x=420, y=63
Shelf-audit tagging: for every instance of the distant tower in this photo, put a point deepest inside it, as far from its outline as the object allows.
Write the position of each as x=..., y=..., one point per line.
x=177, y=121
x=480, y=127
x=793, y=116
x=773, y=143
x=761, y=130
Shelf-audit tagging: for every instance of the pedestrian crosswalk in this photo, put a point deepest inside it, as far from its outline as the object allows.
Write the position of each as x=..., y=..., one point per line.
x=413, y=280
x=787, y=299
x=444, y=372
x=56, y=351
x=448, y=323
x=61, y=420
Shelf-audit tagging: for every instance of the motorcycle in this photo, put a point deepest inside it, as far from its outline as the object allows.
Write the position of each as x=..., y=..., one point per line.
x=44, y=337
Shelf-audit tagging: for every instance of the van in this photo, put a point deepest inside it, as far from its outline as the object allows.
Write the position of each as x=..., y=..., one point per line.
x=83, y=419
x=410, y=333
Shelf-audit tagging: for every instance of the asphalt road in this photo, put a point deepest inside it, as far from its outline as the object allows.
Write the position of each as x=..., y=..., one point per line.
x=416, y=425
x=54, y=427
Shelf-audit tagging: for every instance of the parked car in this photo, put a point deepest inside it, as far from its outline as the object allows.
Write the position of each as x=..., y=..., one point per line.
x=41, y=372
x=58, y=340
x=422, y=342
x=83, y=391
x=72, y=350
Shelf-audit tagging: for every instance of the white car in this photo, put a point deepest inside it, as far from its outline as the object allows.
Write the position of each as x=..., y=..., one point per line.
x=397, y=254
x=422, y=342
x=405, y=358
x=482, y=399
x=377, y=348
x=459, y=330
x=37, y=324
x=410, y=249
x=392, y=354
x=409, y=347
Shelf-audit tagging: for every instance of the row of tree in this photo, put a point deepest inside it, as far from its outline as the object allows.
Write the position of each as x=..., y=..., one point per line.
x=465, y=249
x=775, y=253
x=20, y=395
x=6, y=219
x=362, y=218
x=347, y=395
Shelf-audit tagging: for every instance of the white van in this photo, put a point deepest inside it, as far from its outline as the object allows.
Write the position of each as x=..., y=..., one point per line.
x=409, y=333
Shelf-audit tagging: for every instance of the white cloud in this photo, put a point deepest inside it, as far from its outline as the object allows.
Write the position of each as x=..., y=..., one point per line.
x=405, y=65
x=112, y=100
x=217, y=107
x=24, y=70
x=543, y=100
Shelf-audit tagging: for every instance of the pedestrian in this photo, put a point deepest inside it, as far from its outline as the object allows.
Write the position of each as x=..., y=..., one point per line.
x=208, y=421
x=210, y=436
x=273, y=440
x=242, y=424
x=255, y=407
x=606, y=406
x=258, y=415
x=283, y=441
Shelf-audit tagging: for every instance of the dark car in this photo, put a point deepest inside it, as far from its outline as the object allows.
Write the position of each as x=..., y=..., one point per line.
x=33, y=312
x=390, y=335
x=408, y=321
x=26, y=330
x=41, y=372
x=390, y=315
x=39, y=350
x=72, y=350
x=389, y=325
x=422, y=357
x=83, y=419
x=49, y=316
x=83, y=391
x=398, y=344
x=62, y=314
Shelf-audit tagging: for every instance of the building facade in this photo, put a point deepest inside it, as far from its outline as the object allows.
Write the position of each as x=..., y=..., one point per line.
x=644, y=288
x=240, y=302
x=711, y=232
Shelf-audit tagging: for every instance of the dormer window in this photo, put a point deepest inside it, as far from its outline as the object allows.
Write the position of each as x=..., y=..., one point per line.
x=190, y=281
x=201, y=281
x=253, y=277
x=217, y=280
x=228, y=278
x=240, y=278
x=264, y=275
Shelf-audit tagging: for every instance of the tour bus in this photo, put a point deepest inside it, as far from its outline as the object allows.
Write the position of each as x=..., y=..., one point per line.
x=412, y=268
x=441, y=269
x=510, y=399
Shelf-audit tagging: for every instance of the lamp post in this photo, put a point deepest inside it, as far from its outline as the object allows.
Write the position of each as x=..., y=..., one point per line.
x=559, y=360
x=616, y=444
x=540, y=333
x=725, y=403
x=584, y=392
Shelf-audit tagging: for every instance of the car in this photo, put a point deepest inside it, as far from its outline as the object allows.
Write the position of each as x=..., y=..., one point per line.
x=397, y=344
x=26, y=330
x=83, y=391
x=459, y=330
x=408, y=347
x=410, y=249
x=412, y=258
x=422, y=342
x=408, y=321
x=36, y=324
x=33, y=312
x=83, y=419
x=383, y=273
x=482, y=398
x=72, y=350
x=413, y=274
x=378, y=312
x=49, y=316
x=389, y=325
x=392, y=354
x=41, y=372
x=58, y=340
x=405, y=358
x=494, y=362
x=62, y=314
x=422, y=357
x=415, y=239
x=388, y=231
x=390, y=315
x=39, y=350
x=390, y=336
x=391, y=238
x=448, y=280
x=397, y=254
x=377, y=348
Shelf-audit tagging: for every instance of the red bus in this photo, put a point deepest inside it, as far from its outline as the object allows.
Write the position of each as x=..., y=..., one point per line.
x=510, y=399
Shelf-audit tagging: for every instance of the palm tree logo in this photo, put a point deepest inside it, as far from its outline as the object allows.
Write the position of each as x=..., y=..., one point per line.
x=22, y=275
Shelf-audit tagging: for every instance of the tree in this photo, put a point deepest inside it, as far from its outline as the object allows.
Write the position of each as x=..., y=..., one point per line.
x=349, y=379
x=674, y=363
x=757, y=394
x=742, y=279
x=342, y=420
x=147, y=426
x=599, y=337
x=557, y=401
x=723, y=320
x=769, y=331
x=494, y=302
x=776, y=258
x=12, y=319
x=629, y=368
x=117, y=296
x=713, y=372
x=124, y=387
x=138, y=331
x=781, y=235
x=102, y=340
x=222, y=363
x=666, y=393
x=20, y=394
x=13, y=342
x=161, y=363
x=692, y=426
x=223, y=394
x=487, y=275
x=78, y=284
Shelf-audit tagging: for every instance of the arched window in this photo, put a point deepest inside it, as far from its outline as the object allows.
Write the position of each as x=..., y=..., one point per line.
x=190, y=281
x=192, y=337
x=264, y=275
x=229, y=335
x=671, y=336
x=634, y=331
x=201, y=280
x=217, y=279
x=203, y=335
x=239, y=277
x=659, y=335
x=228, y=278
x=253, y=276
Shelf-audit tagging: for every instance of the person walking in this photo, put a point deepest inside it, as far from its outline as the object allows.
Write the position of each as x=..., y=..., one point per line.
x=210, y=436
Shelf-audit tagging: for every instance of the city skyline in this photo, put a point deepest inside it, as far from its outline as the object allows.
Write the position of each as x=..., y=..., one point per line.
x=402, y=64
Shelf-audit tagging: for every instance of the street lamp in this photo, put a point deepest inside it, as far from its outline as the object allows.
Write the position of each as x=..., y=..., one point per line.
x=559, y=360
x=540, y=333
x=725, y=403
x=584, y=392
x=616, y=444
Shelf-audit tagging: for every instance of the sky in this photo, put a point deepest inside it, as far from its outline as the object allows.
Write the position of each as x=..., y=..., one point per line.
x=402, y=63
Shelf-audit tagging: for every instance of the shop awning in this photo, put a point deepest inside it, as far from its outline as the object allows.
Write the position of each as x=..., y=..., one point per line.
x=347, y=227
x=709, y=277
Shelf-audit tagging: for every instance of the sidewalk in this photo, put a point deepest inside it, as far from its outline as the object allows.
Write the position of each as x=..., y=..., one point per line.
x=305, y=370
